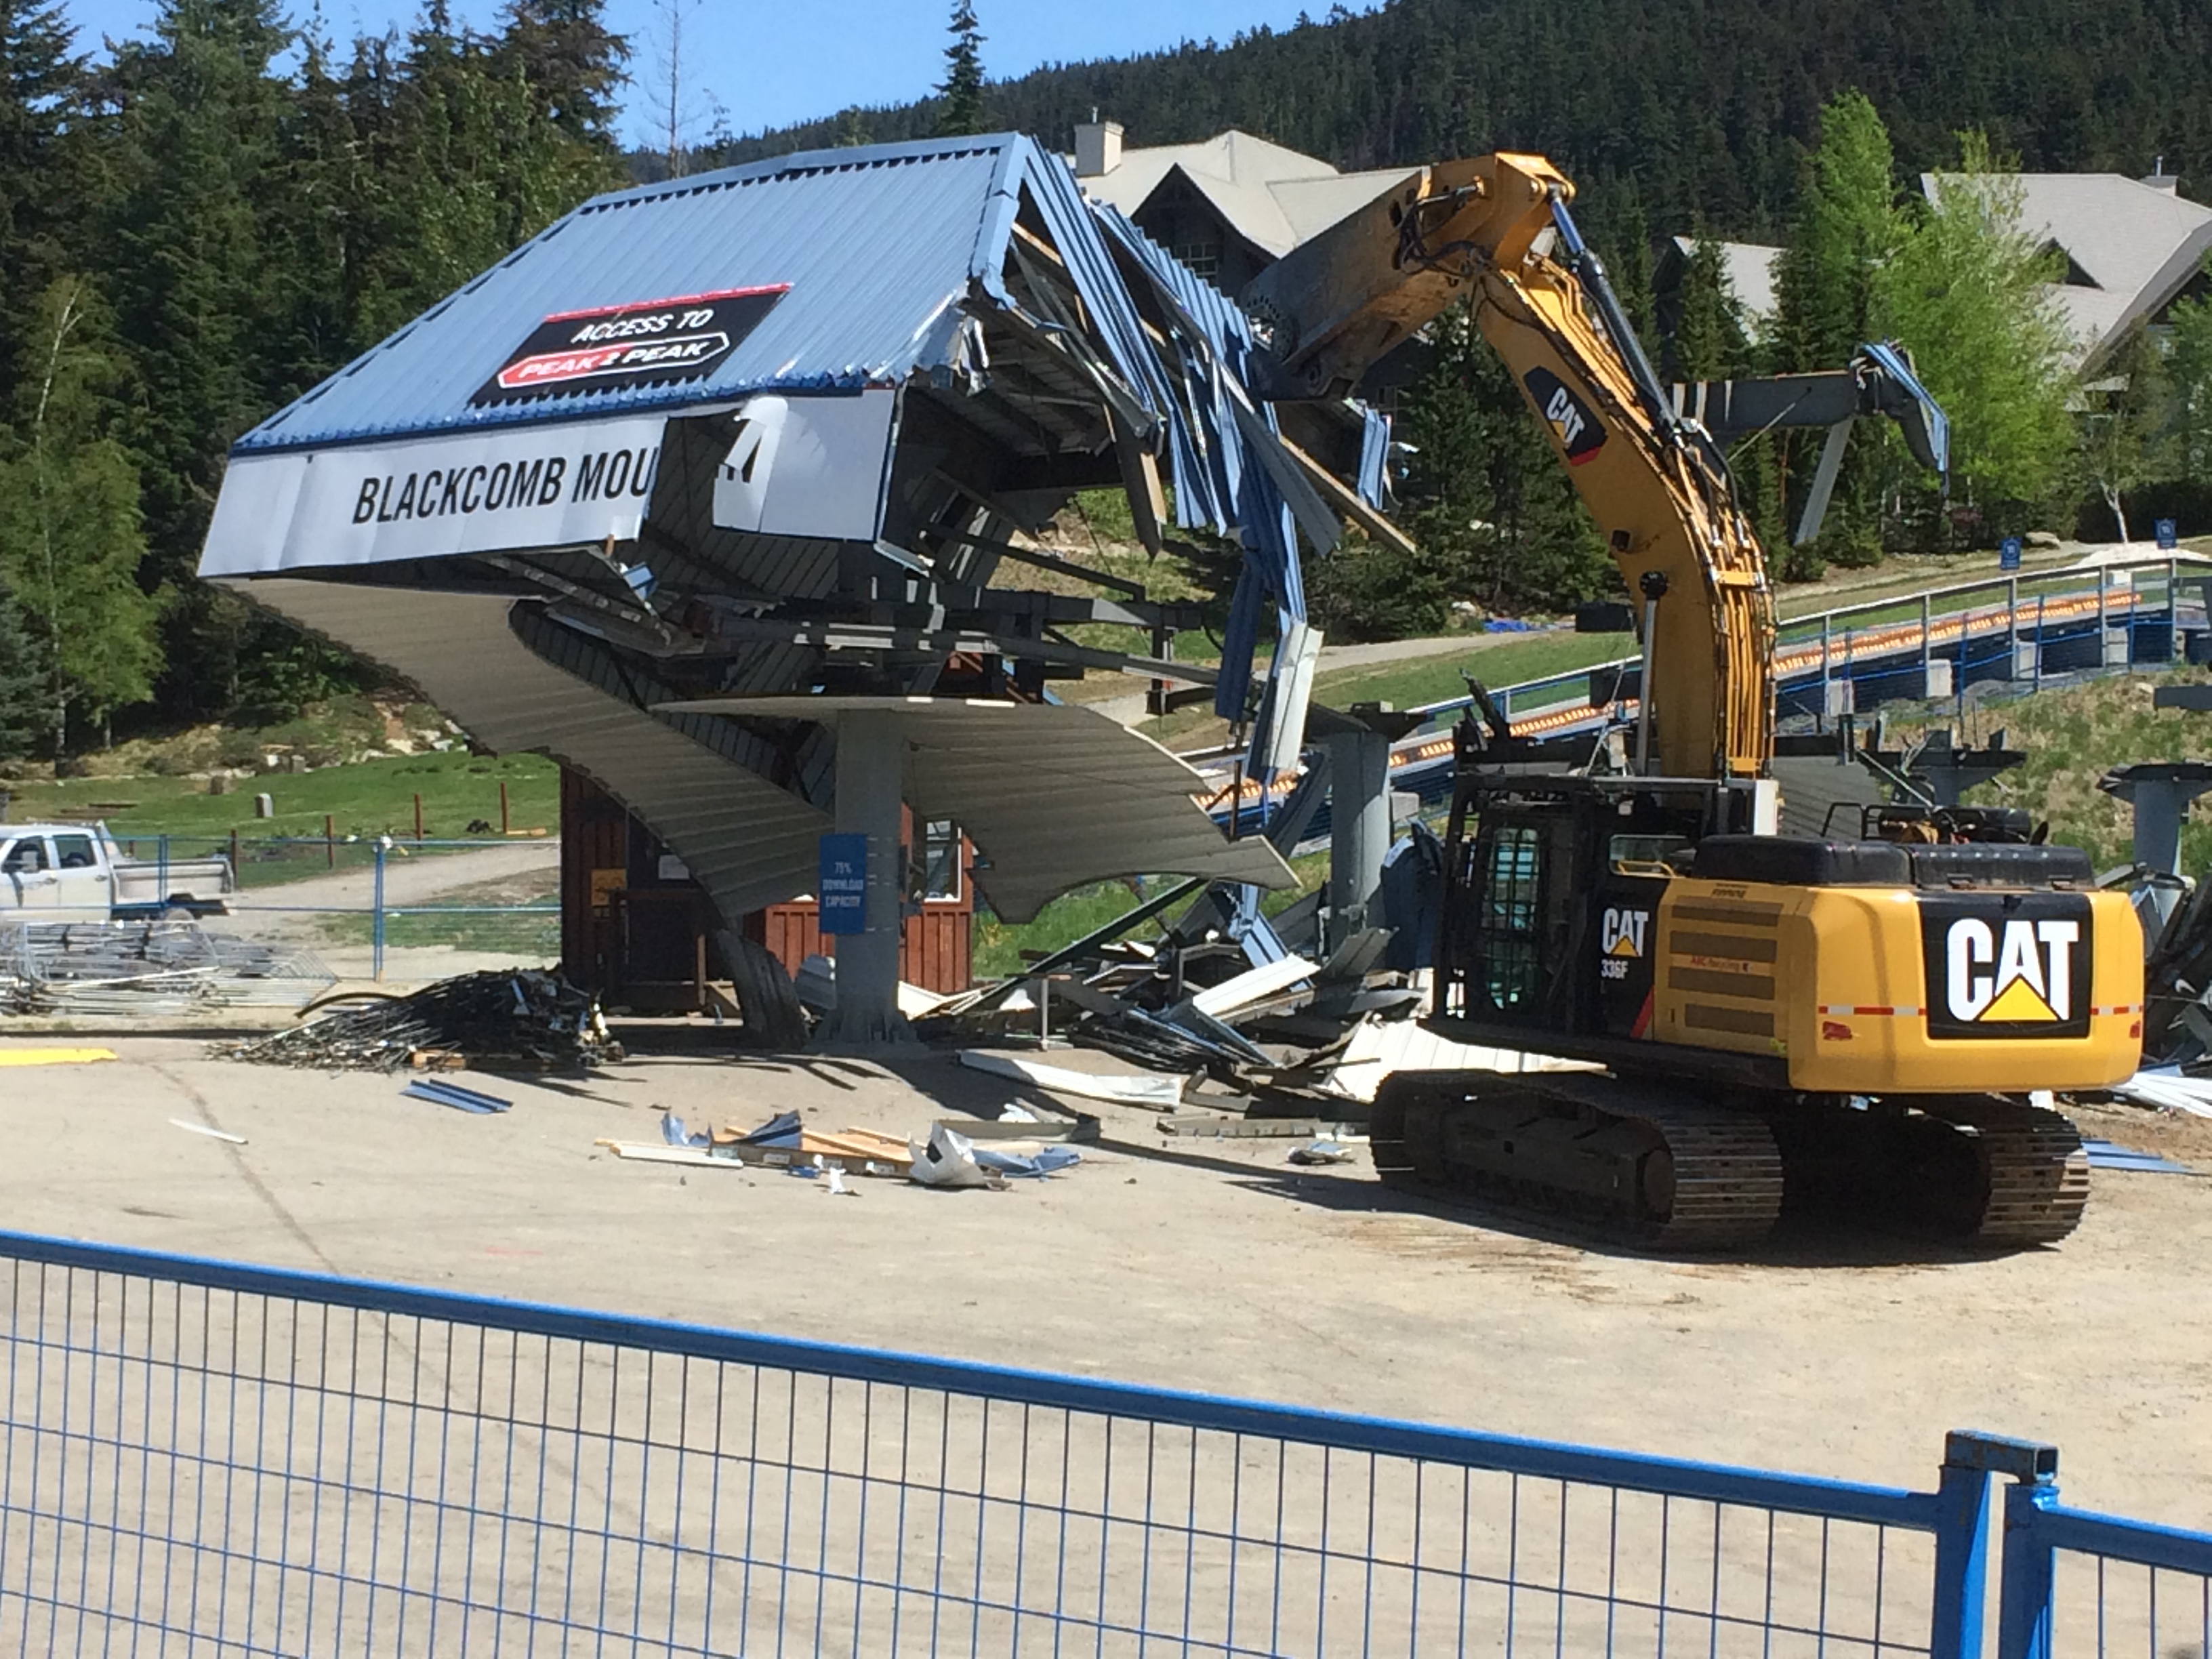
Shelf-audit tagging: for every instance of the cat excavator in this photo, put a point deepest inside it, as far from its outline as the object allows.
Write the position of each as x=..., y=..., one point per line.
x=1711, y=1018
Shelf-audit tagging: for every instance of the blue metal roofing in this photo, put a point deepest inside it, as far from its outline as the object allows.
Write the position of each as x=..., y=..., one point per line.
x=877, y=244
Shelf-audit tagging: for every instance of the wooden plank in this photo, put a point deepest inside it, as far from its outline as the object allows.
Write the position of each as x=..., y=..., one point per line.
x=1347, y=501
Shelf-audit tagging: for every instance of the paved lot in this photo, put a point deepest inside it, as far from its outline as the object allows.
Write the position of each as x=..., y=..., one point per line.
x=1214, y=1265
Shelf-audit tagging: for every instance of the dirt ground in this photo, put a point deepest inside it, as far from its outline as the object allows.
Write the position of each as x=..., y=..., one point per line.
x=1210, y=1264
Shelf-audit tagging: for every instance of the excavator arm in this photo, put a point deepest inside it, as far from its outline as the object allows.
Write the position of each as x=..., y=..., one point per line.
x=1497, y=228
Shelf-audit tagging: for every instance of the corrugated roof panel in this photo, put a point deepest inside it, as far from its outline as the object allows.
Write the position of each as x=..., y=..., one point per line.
x=875, y=244
x=1055, y=796
x=749, y=843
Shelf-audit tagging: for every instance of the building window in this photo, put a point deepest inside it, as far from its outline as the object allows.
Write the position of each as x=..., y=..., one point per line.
x=1201, y=253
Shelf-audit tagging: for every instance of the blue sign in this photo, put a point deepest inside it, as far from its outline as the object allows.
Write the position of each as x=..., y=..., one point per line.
x=2008, y=553
x=842, y=888
x=2167, y=539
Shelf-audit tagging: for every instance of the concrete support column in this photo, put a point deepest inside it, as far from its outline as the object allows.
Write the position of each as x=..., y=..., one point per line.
x=1359, y=829
x=2159, y=793
x=871, y=767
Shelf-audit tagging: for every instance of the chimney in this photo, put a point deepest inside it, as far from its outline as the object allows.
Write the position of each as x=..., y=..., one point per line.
x=1097, y=147
x=2159, y=178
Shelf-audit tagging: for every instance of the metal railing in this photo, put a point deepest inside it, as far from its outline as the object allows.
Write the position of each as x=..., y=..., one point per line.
x=275, y=1462
x=264, y=865
x=2015, y=629
x=2080, y=1583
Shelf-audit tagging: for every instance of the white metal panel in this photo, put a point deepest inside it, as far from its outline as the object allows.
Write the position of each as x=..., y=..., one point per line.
x=1055, y=796
x=749, y=843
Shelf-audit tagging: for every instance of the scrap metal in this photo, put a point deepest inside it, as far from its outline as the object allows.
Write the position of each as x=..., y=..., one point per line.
x=521, y=1017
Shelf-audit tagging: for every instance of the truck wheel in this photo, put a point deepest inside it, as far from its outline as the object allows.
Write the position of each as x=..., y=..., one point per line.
x=180, y=913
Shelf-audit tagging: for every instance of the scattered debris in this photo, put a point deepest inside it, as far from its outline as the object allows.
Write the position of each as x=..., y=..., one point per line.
x=2167, y=1088
x=1321, y=1152
x=781, y=1143
x=1123, y=1088
x=1217, y=997
x=1024, y=1166
x=143, y=969
x=948, y=1159
x=54, y=1056
x=451, y=1094
x=212, y=1133
x=2103, y=1155
x=519, y=1017
x=1379, y=1046
x=652, y=1152
x=1202, y=1126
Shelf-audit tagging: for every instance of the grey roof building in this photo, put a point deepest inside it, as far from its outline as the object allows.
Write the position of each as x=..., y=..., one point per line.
x=2132, y=247
x=1229, y=206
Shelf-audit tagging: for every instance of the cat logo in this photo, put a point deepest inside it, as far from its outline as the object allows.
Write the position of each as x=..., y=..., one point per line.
x=2022, y=971
x=2028, y=975
x=1579, y=435
x=1621, y=932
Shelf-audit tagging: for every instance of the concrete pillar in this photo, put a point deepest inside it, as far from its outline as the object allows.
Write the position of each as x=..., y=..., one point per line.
x=2158, y=810
x=1359, y=828
x=2159, y=793
x=871, y=767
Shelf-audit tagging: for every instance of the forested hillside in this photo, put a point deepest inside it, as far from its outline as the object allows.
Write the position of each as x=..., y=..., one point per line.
x=196, y=226
x=1700, y=109
x=201, y=221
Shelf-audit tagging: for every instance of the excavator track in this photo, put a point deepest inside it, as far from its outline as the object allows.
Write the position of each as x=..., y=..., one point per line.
x=2031, y=1172
x=1647, y=1163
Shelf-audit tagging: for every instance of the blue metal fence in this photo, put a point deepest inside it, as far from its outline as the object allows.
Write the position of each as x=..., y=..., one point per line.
x=195, y=1454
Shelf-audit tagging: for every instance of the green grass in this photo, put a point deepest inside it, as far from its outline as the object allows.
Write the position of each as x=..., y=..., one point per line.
x=999, y=945
x=365, y=800
x=2073, y=738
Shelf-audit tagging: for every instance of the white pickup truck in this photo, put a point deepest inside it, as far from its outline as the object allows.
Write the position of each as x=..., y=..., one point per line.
x=71, y=871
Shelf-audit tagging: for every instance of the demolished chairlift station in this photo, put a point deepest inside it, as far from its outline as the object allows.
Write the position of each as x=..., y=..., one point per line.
x=717, y=478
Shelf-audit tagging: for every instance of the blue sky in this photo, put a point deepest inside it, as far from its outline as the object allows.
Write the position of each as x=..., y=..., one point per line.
x=768, y=62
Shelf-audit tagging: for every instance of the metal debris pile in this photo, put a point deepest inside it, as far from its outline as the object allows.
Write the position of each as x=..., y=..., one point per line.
x=520, y=1017
x=148, y=969
x=1272, y=1033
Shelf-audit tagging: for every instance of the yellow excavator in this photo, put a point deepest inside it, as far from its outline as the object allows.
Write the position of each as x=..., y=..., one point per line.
x=1717, y=1016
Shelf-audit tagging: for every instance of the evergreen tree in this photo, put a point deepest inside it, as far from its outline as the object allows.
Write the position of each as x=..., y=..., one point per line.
x=1710, y=342
x=960, y=111
x=1845, y=229
x=1491, y=506
x=41, y=97
x=197, y=292
x=69, y=523
x=572, y=64
x=22, y=682
x=2189, y=374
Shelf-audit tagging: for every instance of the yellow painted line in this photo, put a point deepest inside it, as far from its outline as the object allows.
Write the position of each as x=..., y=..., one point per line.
x=53, y=1056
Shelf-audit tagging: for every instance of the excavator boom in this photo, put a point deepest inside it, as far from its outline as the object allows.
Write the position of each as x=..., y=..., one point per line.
x=1498, y=230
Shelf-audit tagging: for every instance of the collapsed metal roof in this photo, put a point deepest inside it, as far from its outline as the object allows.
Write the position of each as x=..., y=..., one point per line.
x=774, y=430
x=869, y=252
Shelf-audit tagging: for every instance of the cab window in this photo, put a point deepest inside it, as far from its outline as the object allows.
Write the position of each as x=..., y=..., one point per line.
x=27, y=857
x=73, y=853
